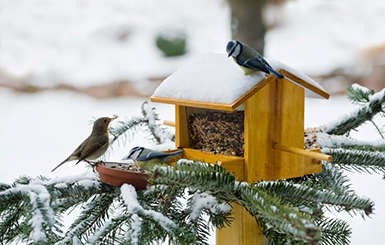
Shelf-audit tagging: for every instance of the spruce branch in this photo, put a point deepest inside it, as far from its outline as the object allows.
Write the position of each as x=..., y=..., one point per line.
x=92, y=217
x=171, y=228
x=158, y=132
x=364, y=113
x=357, y=159
x=113, y=231
x=334, y=232
x=359, y=95
x=123, y=131
x=334, y=179
x=222, y=184
x=302, y=195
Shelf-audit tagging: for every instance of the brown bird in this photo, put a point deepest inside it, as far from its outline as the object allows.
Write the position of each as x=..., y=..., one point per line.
x=95, y=145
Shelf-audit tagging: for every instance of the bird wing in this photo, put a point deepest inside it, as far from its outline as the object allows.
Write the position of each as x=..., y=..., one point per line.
x=256, y=64
x=95, y=149
x=158, y=154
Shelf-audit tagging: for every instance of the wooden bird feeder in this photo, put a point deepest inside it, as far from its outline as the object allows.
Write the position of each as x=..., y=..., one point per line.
x=273, y=112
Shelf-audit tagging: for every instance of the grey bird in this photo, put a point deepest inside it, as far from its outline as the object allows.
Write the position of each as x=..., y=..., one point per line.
x=249, y=59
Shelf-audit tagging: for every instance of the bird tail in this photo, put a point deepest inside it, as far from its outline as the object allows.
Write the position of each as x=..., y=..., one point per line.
x=176, y=153
x=68, y=158
x=276, y=73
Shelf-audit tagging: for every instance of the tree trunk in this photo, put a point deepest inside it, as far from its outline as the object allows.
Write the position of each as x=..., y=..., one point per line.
x=247, y=22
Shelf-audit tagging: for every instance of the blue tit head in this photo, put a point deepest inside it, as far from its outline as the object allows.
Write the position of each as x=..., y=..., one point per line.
x=234, y=48
x=135, y=152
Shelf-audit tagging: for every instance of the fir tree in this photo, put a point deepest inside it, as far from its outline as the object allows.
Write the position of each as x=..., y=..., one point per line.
x=183, y=202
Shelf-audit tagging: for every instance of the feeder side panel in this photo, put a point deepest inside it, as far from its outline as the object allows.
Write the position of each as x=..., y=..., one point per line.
x=243, y=230
x=181, y=127
x=274, y=115
x=290, y=101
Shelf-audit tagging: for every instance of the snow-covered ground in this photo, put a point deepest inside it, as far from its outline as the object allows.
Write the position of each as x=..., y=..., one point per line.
x=38, y=131
x=84, y=42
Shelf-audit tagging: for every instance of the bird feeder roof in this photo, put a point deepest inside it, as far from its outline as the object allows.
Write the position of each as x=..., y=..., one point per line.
x=217, y=82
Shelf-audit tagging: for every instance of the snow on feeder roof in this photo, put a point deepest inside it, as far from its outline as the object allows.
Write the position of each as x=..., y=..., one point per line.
x=215, y=81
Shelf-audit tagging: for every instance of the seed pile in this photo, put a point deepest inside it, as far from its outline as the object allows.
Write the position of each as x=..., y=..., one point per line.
x=218, y=132
x=311, y=138
x=127, y=167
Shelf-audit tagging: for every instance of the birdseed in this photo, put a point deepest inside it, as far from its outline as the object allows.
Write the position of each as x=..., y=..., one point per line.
x=218, y=132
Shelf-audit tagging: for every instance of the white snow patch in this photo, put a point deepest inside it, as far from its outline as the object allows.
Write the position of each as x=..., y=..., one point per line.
x=61, y=185
x=38, y=195
x=136, y=228
x=216, y=78
x=130, y=196
x=202, y=201
x=356, y=86
x=327, y=140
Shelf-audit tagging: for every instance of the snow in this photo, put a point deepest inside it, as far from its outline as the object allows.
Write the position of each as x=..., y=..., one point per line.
x=327, y=140
x=40, y=200
x=356, y=86
x=202, y=201
x=54, y=137
x=90, y=42
x=129, y=196
x=218, y=79
x=134, y=233
x=379, y=96
x=318, y=36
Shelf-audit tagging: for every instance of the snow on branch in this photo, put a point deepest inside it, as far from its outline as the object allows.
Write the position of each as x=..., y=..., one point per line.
x=159, y=133
x=129, y=196
x=364, y=113
x=334, y=141
x=258, y=202
x=206, y=201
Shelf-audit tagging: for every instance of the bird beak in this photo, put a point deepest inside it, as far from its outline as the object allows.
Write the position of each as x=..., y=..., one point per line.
x=114, y=117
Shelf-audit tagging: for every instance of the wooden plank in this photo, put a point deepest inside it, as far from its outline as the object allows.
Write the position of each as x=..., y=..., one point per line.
x=252, y=91
x=181, y=127
x=232, y=164
x=233, y=234
x=274, y=115
x=252, y=233
x=310, y=166
x=257, y=134
x=304, y=84
x=191, y=103
x=289, y=129
x=243, y=230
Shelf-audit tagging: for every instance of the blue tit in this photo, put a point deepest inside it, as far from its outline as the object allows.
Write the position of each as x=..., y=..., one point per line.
x=249, y=59
x=147, y=158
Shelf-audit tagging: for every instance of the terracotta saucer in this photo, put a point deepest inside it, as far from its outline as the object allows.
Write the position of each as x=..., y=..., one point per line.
x=116, y=177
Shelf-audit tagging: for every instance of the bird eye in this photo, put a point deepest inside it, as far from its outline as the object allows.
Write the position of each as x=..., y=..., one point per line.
x=105, y=120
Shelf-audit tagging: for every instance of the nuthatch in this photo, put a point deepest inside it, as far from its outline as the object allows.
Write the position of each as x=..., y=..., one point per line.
x=249, y=59
x=147, y=158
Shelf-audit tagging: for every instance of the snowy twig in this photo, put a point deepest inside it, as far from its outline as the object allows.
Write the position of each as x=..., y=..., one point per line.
x=350, y=121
